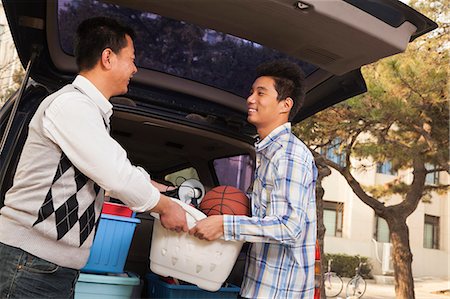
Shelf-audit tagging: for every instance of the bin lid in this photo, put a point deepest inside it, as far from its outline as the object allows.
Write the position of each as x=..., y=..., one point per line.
x=119, y=279
x=120, y=218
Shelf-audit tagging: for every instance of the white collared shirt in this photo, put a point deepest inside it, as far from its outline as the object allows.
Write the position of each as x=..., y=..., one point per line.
x=77, y=122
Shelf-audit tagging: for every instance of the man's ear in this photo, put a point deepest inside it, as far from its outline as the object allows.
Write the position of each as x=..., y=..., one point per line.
x=287, y=105
x=106, y=58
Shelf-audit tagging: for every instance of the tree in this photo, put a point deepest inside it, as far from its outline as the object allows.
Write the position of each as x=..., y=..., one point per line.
x=8, y=67
x=9, y=90
x=403, y=119
x=323, y=171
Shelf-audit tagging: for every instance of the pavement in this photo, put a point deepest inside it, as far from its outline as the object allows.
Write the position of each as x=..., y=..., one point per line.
x=424, y=287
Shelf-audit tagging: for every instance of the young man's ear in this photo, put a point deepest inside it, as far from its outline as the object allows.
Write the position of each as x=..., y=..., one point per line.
x=287, y=105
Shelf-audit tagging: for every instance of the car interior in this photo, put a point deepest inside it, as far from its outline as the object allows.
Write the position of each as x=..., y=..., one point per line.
x=162, y=147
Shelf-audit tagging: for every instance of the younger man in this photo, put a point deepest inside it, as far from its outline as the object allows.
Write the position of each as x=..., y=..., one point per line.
x=282, y=229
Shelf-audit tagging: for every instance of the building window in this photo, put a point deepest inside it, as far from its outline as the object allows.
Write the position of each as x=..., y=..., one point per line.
x=385, y=168
x=431, y=232
x=334, y=153
x=432, y=178
x=381, y=232
x=332, y=218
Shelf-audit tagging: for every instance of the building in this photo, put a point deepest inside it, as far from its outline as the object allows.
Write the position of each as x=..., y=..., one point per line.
x=353, y=228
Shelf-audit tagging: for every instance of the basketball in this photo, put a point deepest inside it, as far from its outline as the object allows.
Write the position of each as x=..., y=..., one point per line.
x=225, y=200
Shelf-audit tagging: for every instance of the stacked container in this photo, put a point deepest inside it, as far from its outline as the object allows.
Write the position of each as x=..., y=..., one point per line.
x=104, y=275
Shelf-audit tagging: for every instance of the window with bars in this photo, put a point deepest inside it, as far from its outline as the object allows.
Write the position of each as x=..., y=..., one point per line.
x=334, y=153
x=431, y=232
x=333, y=215
x=432, y=178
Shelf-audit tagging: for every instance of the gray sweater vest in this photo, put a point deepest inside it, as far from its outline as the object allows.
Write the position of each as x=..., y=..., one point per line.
x=52, y=208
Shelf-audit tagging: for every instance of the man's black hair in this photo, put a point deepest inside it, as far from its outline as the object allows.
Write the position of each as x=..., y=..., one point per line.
x=289, y=81
x=97, y=34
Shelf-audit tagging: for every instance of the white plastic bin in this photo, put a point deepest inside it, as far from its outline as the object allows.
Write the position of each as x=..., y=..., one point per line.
x=180, y=255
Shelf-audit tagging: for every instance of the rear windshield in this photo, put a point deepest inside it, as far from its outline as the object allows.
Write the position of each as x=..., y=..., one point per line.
x=200, y=54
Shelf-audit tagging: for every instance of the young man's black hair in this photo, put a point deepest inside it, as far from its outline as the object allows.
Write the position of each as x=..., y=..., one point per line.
x=289, y=81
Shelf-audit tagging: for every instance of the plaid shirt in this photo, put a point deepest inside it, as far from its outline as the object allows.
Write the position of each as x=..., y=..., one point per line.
x=282, y=229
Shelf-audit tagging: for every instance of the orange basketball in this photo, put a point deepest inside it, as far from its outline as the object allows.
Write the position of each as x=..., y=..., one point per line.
x=225, y=200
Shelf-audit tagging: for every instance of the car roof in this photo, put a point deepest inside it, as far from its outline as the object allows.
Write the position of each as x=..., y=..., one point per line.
x=330, y=39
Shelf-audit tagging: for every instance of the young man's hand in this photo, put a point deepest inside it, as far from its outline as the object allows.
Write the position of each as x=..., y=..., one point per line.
x=210, y=228
x=171, y=214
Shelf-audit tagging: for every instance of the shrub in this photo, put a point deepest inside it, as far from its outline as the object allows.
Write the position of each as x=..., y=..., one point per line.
x=344, y=265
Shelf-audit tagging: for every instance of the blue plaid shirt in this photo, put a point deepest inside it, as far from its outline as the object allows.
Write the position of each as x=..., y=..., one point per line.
x=282, y=229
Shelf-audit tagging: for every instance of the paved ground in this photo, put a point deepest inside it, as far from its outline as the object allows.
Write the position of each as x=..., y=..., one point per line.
x=425, y=288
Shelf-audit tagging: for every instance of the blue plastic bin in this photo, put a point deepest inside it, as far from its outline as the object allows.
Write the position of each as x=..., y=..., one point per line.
x=111, y=244
x=96, y=286
x=156, y=288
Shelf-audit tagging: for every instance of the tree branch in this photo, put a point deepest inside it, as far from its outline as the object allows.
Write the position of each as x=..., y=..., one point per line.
x=356, y=187
x=414, y=194
x=350, y=146
x=435, y=187
x=402, y=79
x=426, y=135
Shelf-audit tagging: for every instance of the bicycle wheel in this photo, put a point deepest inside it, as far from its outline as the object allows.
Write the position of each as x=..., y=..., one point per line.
x=333, y=284
x=355, y=287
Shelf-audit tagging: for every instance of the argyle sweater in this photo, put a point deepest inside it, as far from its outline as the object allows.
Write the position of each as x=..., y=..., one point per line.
x=53, y=206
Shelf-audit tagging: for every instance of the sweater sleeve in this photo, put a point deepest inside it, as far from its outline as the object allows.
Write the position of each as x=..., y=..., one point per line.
x=76, y=125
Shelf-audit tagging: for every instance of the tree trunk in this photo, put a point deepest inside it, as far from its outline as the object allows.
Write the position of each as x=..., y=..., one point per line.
x=323, y=171
x=320, y=233
x=396, y=218
x=402, y=256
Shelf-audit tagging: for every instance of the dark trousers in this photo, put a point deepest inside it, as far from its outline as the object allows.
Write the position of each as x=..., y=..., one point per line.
x=23, y=275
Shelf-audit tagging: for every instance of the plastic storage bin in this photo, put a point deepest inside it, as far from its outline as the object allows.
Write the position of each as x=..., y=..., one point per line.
x=180, y=255
x=112, y=208
x=156, y=288
x=95, y=286
x=111, y=244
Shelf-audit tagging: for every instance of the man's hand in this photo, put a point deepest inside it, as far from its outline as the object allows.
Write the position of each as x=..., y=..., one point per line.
x=210, y=228
x=171, y=214
x=162, y=187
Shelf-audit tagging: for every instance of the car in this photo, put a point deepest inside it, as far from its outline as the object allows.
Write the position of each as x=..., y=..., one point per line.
x=184, y=116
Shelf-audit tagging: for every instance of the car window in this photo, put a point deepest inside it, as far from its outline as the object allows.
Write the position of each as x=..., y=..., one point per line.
x=178, y=177
x=178, y=48
x=235, y=171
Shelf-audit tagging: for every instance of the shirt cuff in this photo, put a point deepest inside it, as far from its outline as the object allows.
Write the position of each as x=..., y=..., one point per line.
x=230, y=227
x=145, y=173
x=154, y=196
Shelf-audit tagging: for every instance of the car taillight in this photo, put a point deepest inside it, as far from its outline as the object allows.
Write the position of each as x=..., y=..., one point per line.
x=317, y=273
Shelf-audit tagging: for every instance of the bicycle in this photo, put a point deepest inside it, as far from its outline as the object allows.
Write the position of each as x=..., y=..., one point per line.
x=333, y=283
x=356, y=287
